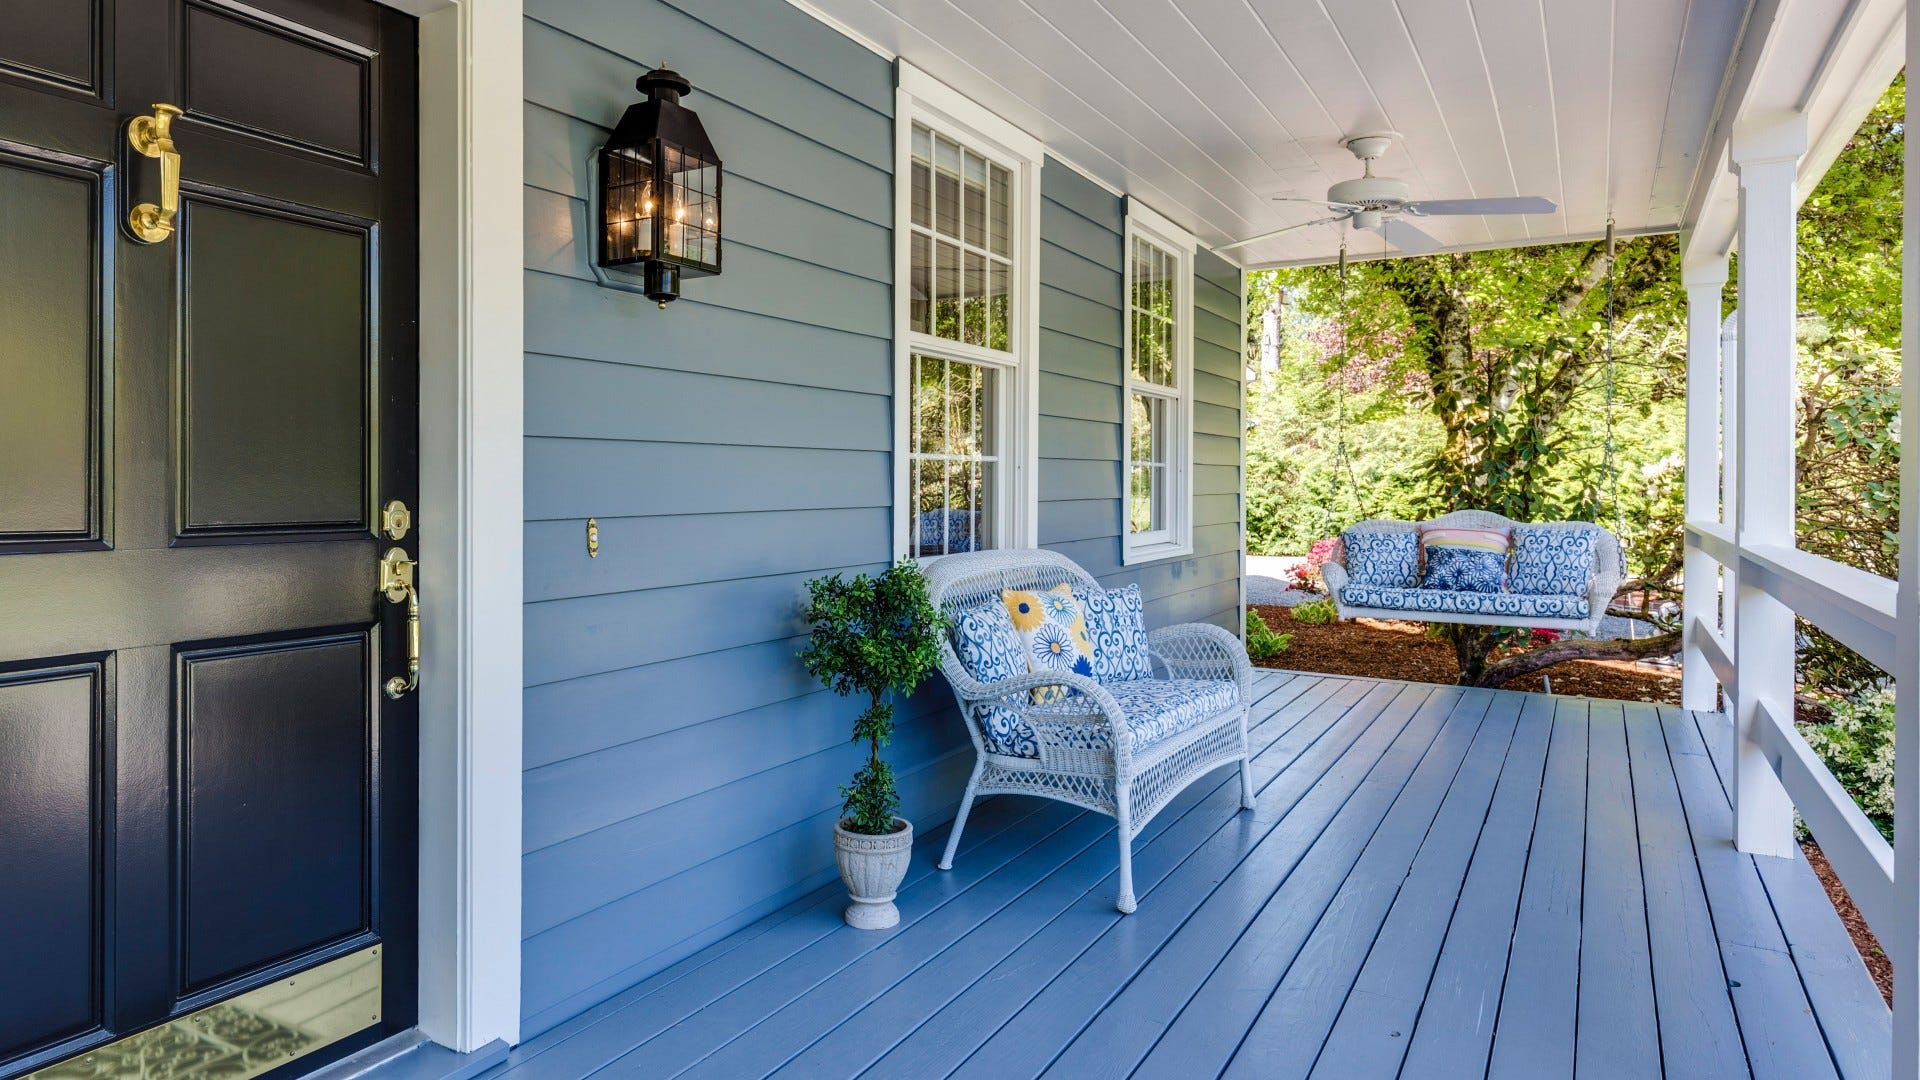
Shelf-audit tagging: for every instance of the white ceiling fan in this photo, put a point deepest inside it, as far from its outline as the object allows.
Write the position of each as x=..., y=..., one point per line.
x=1383, y=204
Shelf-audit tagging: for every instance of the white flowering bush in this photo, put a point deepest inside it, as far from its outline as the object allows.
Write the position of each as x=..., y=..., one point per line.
x=1857, y=744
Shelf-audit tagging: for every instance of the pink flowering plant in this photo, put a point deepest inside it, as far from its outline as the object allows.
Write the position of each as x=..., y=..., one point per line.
x=1305, y=576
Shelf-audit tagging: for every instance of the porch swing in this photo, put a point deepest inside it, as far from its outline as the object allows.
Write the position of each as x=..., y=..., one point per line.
x=1475, y=566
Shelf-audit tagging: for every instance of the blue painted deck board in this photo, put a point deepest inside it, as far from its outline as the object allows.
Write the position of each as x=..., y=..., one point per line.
x=1617, y=1034
x=1435, y=882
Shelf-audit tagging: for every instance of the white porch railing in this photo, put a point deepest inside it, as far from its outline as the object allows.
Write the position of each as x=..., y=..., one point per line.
x=1746, y=580
x=1855, y=607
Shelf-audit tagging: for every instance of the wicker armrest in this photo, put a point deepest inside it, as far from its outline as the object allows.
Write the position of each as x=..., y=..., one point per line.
x=1203, y=651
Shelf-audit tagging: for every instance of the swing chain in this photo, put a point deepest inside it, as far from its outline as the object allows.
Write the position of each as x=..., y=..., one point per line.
x=1343, y=462
x=1610, y=472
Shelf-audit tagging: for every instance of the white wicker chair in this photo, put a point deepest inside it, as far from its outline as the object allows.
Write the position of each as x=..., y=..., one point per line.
x=1112, y=778
x=1602, y=584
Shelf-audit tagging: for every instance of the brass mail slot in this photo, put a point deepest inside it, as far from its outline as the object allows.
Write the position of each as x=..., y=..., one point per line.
x=246, y=1035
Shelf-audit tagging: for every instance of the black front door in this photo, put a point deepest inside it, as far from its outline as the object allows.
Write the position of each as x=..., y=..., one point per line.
x=207, y=802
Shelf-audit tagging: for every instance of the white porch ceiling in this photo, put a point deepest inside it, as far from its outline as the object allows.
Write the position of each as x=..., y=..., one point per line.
x=1207, y=109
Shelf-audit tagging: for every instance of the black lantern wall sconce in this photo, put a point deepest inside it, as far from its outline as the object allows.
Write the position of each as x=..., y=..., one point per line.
x=660, y=191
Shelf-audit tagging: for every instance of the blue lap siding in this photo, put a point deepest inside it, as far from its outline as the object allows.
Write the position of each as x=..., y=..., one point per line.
x=680, y=768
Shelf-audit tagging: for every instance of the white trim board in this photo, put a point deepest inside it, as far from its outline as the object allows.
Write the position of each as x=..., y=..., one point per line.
x=471, y=526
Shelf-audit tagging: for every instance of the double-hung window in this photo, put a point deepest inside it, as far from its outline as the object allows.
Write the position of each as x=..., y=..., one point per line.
x=1159, y=377
x=967, y=254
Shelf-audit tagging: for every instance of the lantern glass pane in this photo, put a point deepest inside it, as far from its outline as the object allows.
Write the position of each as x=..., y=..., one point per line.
x=627, y=204
x=692, y=208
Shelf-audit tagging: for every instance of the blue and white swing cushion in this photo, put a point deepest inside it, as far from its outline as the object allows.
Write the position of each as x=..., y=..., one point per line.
x=1158, y=711
x=1558, y=575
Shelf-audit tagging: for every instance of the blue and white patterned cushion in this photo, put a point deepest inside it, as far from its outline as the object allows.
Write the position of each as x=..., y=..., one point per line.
x=1376, y=557
x=1117, y=625
x=1159, y=708
x=1523, y=605
x=1556, y=562
x=1464, y=569
x=954, y=526
x=989, y=648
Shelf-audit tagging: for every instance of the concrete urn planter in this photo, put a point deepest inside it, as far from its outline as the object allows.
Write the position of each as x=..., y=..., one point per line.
x=872, y=867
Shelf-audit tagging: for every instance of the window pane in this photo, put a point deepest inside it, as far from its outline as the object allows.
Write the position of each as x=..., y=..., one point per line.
x=976, y=298
x=946, y=305
x=919, y=287
x=997, y=306
x=946, y=187
x=1000, y=210
x=974, y=201
x=952, y=462
x=1140, y=501
x=922, y=176
x=929, y=404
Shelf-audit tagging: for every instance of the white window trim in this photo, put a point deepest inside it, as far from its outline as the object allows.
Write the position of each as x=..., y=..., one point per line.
x=1176, y=540
x=920, y=98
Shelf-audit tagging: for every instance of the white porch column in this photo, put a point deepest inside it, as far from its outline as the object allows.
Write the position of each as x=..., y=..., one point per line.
x=1902, y=940
x=1766, y=155
x=1705, y=281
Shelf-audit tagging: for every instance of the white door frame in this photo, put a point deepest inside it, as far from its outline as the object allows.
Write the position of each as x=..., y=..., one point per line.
x=471, y=389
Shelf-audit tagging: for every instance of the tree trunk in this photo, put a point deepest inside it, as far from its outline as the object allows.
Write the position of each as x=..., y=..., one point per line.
x=1471, y=647
x=1504, y=671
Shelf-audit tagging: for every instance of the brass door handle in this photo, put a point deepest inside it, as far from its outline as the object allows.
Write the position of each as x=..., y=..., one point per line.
x=153, y=137
x=396, y=584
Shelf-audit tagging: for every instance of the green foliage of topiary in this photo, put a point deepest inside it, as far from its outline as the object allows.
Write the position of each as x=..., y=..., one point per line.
x=1857, y=744
x=872, y=636
x=1262, y=642
x=1319, y=612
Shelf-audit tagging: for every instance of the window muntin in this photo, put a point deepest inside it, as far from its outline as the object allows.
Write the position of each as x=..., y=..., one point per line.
x=1159, y=379
x=960, y=243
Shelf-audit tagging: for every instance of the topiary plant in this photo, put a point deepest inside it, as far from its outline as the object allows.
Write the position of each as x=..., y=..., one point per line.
x=872, y=635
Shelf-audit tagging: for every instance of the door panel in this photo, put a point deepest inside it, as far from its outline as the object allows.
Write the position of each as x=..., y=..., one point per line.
x=291, y=872
x=55, y=40
x=276, y=371
x=203, y=793
x=49, y=868
x=229, y=55
x=50, y=421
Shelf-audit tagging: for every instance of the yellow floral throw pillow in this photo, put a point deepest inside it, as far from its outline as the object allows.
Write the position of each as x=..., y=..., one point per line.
x=1053, y=635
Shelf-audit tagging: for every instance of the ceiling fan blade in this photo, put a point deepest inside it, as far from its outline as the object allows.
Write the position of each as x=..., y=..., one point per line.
x=1408, y=238
x=1520, y=204
x=1278, y=232
x=1316, y=202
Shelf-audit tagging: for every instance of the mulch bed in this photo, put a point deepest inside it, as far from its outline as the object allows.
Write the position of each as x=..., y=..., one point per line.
x=1384, y=649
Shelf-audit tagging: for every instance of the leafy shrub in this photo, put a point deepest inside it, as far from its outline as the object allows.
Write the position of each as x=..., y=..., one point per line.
x=1262, y=642
x=1316, y=612
x=1857, y=744
x=872, y=635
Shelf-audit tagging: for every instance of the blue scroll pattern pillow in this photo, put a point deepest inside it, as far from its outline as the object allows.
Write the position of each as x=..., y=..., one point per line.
x=1117, y=623
x=1464, y=569
x=1389, y=559
x=989, y=648
x=1552, y=562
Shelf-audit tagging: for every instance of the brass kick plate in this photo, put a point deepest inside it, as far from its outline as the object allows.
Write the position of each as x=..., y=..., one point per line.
x=243, y=1036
